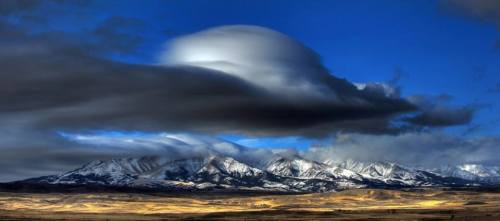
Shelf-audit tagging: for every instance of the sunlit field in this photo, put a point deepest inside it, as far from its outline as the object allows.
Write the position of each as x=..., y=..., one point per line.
x=384, y=204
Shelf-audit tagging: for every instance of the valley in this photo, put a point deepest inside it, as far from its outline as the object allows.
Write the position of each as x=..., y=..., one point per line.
x=360, y=204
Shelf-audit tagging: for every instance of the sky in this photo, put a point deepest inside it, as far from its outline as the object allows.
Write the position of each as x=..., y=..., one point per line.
x=328, y=79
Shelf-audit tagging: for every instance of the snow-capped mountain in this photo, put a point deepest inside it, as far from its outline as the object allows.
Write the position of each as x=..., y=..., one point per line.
x=191, y=163
x=154, y=171
x=394, y=174
x=387, y=172
x=298, y=167
x=190, y=174
x=113, y=172
x=475, y=172
x=280, y=173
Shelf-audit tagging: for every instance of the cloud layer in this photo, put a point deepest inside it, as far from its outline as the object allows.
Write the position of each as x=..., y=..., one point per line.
x=64, y=87
x=416, y=149
x=44, y=154
x=24, y=158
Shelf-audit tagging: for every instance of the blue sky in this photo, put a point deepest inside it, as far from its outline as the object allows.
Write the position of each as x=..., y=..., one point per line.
x=429, y=48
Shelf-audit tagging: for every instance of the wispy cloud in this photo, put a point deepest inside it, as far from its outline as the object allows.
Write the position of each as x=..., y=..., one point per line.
x=418, y=149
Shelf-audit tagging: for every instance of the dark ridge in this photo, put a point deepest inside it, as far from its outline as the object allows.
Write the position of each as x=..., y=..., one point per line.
x=22, y=187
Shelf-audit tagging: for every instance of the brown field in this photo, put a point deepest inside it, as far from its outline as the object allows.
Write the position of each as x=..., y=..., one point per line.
x=431, y=204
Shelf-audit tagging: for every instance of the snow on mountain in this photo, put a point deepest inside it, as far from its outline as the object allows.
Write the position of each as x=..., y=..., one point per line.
x=222, y=164
x=299, y=167
x=193, y=173
x=290, y=173
x=113, y=172
x=394, y=174
x=474, y=172
x=379, y=170
x=201, y=162
x=480, y=170
x=213, y=171
x=226, y=170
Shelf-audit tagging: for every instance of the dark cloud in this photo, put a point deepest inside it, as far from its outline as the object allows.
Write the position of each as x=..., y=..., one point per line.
x=90, y=93
x=444, y=116
x=61, y=87
x=45, y=153
x=27, y=152
x=482, y=10
x=8, y=7
x=37, y=11
x=111, y=35
x=437, y=112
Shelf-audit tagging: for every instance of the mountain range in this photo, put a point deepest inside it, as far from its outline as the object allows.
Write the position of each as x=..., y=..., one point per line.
x=222, y=165
x=280, y=173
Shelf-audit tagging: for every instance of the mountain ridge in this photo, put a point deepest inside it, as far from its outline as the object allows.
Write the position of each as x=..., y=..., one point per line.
x=218, y=172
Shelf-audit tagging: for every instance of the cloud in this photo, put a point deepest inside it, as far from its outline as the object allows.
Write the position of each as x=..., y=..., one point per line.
x=258, y=55
x=416, y=149
x=39, y=12
x=8, y=7
x=437, y=112
x=266, y=59
x=29, y=153
x=483, y=10
x=104, y=37
x=487, y=11
x=65, y=87
x=379, y=89
x=44, y=153
x=169, y=145
x=443, y=116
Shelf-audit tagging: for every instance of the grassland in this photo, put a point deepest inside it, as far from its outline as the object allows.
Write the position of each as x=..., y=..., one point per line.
x=430, y=204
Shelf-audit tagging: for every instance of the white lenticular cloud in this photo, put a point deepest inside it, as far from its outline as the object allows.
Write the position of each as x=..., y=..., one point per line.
x=258, y=55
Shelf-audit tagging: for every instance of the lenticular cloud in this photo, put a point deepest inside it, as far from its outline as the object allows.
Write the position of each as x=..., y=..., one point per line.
x=258, y=55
